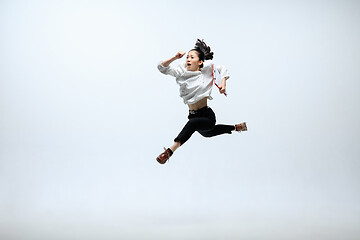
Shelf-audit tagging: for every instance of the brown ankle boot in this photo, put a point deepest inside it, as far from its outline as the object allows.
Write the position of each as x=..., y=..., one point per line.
x=241, y=127
x=163, y=157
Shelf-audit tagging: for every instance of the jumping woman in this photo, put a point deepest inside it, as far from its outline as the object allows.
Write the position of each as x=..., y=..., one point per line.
x=196, y=79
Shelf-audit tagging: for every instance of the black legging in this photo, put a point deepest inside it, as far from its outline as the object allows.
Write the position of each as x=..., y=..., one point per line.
x=203, y=121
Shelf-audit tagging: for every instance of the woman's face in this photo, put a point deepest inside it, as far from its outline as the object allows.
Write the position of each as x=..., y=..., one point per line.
x=193, y=62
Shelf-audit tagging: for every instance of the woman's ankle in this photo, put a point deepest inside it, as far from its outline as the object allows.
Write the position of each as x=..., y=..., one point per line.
x=175, y=146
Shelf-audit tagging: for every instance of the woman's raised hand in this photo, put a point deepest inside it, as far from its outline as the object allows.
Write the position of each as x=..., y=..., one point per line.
x=180, y=54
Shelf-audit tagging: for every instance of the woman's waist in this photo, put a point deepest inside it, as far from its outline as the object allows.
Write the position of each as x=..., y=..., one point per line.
x=202, y=104
x=202, y=112
x=199, y=110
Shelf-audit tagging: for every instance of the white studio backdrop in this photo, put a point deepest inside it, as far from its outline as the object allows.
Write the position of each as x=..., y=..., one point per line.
x=84, y=112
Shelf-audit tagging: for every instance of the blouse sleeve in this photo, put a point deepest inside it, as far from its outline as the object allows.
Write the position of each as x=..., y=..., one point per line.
x=223, y=72
x=171, y=70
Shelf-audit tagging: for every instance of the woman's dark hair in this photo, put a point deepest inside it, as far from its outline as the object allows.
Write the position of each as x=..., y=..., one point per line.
x=203, y=50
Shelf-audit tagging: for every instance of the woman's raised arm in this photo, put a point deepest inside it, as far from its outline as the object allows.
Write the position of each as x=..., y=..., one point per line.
x=178, y=55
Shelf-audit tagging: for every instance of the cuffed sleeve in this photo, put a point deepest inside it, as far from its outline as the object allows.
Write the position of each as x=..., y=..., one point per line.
x=170, y=70
x=223, y=72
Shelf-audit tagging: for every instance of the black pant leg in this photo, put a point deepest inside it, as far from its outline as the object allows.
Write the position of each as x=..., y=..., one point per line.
x=194, y=124
x=217, y=130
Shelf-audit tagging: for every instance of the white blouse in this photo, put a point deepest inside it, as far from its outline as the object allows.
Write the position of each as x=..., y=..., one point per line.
x=194, y=85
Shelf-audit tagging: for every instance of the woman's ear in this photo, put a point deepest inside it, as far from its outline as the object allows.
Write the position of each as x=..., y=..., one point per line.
x=201, y=62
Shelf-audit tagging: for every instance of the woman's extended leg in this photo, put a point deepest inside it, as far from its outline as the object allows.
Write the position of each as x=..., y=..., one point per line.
x=221, y=129
x=194, y=124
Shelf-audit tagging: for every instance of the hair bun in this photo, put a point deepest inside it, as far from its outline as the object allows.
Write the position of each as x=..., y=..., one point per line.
x=201, y=45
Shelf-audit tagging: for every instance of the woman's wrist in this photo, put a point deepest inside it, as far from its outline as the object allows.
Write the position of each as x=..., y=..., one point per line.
x=223, y=82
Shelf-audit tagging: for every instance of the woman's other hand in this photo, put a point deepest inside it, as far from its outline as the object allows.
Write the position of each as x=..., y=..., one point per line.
x=222, y=89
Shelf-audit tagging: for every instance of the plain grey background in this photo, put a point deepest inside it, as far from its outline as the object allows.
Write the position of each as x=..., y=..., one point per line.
x=84, y=112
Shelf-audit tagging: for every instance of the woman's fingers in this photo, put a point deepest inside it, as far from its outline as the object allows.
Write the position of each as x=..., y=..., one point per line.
x=180, y=54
